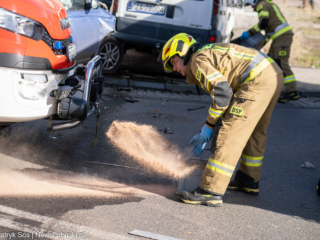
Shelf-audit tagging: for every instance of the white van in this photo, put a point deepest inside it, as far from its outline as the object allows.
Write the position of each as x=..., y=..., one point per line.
x=150, y=23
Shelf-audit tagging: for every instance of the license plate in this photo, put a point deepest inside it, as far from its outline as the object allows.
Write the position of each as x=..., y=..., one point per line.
x=146, y=8
x=71, y=52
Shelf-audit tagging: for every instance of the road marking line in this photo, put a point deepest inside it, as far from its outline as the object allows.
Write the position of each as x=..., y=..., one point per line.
x=60, y=224
x=152, y=235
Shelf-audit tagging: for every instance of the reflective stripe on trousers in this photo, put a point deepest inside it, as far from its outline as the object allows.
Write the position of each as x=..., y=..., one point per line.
x=220, y=167
x=290, y=78
x=282, y=28
x=258, y=63
x=251, y=161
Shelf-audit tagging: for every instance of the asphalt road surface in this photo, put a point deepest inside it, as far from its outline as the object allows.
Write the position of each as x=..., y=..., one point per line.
x=47, y=188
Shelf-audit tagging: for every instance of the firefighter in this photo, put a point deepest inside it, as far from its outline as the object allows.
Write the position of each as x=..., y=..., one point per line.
x=245, y=86
x=276, y=27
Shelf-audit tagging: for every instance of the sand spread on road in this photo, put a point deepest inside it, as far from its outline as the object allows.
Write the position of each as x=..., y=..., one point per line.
x=14, y=183
x=22, y=178
x=145, y=145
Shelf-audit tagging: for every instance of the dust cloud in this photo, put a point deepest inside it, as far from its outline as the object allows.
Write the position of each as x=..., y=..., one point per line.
x=145, y=145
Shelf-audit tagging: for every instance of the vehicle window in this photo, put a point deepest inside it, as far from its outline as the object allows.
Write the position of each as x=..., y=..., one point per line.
x=223, y=2
x=73, y=4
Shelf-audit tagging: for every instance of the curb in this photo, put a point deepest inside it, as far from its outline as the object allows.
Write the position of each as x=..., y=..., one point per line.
x=158, y=95
x=177, y=86
x=173, y=86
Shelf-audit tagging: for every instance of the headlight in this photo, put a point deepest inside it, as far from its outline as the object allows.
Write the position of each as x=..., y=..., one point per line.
x=20, y=24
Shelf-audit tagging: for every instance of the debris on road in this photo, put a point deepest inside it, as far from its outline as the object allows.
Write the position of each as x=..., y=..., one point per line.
x=191, y=109
x=307, y=165
x=53, y=137
x=123, y=89
x=131, y=99
x=113, y=165
x=167, y=131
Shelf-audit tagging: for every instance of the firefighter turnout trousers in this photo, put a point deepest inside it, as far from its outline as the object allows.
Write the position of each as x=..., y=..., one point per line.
x=242, y=136
x=280, y=52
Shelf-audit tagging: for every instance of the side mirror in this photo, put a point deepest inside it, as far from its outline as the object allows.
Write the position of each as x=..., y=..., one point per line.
x=95, y=4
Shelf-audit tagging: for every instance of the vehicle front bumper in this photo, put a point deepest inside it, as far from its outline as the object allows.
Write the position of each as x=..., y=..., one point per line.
x=24, y=99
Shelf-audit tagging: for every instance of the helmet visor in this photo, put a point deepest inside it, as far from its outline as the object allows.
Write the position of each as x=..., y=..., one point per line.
x=165, y=62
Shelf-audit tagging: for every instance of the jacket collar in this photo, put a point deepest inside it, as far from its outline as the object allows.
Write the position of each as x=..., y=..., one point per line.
x=190, y=78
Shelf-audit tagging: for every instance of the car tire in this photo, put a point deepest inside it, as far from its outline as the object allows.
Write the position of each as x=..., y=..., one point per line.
x=111, y=52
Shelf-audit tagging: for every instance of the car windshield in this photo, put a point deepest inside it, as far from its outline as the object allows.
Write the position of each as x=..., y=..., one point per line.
x=73, y=4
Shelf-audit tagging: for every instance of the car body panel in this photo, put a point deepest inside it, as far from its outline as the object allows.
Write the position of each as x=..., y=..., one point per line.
x=190, y=16
x=89, y=27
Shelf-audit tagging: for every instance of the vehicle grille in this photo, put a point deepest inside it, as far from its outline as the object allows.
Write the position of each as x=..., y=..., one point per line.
x=49, y=41
x=60, y=77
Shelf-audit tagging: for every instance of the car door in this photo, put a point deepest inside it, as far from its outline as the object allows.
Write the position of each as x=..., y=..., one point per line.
x=193, y=17
x=146, y=18
x=230, y=20
x=84, y=28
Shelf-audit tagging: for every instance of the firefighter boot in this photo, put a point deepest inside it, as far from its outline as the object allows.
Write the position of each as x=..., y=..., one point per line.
x=200, y=197
x=318, y=187
x=244, y=183
x=288, y=96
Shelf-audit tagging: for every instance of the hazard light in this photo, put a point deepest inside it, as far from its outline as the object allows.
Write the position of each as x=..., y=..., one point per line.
x=212, y=38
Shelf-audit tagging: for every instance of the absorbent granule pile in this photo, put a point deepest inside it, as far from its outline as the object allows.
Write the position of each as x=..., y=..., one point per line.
x=144, y=144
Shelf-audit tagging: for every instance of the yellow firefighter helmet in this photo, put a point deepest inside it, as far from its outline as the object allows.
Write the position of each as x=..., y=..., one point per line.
x=178, y=44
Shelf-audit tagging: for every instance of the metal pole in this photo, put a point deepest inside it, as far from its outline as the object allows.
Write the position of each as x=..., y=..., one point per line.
x=113, y=165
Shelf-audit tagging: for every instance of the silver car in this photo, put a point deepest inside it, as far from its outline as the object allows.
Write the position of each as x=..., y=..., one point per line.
x=91, y=27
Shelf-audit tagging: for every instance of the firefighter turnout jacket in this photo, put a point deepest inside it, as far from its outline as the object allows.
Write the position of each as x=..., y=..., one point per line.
x=245, y=85
x=279, y=31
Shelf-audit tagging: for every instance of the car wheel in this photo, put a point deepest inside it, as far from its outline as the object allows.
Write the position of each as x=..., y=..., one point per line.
x=111, y=52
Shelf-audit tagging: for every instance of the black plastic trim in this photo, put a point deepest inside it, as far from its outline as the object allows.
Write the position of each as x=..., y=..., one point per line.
x=152, y=33
x=130, y=38
x=11, y=60
x=170, y=11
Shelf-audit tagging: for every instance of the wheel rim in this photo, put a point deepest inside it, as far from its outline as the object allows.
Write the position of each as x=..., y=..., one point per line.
x=110, y=54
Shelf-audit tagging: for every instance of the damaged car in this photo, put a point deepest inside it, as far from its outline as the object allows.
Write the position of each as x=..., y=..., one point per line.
x=91, y=26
